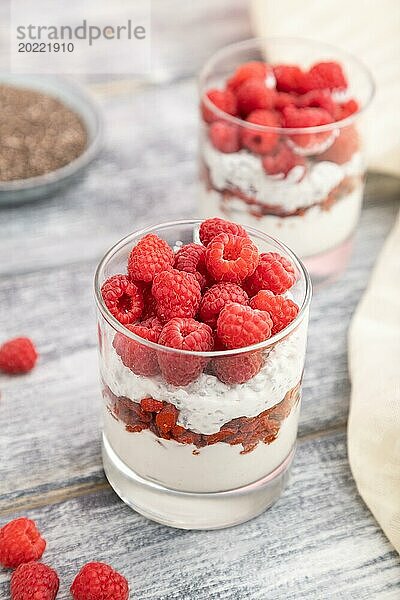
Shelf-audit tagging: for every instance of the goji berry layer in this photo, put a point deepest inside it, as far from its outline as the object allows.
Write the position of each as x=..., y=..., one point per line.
x=261, y=209
x=161, y=419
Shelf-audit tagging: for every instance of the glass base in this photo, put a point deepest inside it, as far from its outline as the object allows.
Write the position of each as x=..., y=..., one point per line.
x=189, y=510
x=326, y=267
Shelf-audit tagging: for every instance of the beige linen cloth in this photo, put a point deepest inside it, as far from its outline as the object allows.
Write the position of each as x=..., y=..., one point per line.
x=374, y=362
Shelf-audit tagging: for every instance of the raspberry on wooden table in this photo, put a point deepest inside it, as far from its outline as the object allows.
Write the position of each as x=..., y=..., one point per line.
x=216, y=297
x=150, y=256
x=34, y=581
x=225, y=100
x=257, y=140
x=184, y=334
x=177, y=294
x=98, y=581
x=274, y=272
x=225, y=136
x=20, y=542
x=239, y=326
x=281, y=310
x=136, y=356
x=231, y=257
x=18, y=356
x=212, y=227
x=252, y=69
x=191, y=258
x=237, y=369
x=123, y=298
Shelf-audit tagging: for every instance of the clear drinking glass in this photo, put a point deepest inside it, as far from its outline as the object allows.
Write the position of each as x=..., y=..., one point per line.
x=315, y=207
x=215, y=452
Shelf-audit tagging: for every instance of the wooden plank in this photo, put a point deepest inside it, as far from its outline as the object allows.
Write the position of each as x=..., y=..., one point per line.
x=318, y=541
x=57, y=406
x=146, y=169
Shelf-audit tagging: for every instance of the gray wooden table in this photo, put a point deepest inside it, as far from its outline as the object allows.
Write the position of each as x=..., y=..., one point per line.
x=319, y=541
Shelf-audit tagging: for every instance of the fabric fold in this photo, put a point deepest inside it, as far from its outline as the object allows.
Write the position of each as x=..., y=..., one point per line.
x=374, y=420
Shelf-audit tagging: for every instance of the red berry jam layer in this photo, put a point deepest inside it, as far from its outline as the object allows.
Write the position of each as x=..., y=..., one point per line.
x=161, y=419
x=251, y=204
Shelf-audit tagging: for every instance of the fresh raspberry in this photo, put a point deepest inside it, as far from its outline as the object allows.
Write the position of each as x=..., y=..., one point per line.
x=215, y=299
x=317, y=99
x=326, y=75
x=136, y=356
x=283, y=99
x=239, y=326
x=18, y=356
x=224, y=137
x=307, y=117
x=212, y=227
x=231, y=257
x=344, y=146
x=177, y=293
x=225, y=100
x=149, y=257
x=282, y=160
x=282, y=310
x=98, y=581
x=259, y=141
x=34, y=581
x=346, y=109
x=274, y=272
x=20, y=542
x=149, y=302
x=184, y=334
x=237, y=369
x=252, y=95
x=218, y=345
x=123, y=298
x=191, y=258
x=290, y=78
x=253, y=69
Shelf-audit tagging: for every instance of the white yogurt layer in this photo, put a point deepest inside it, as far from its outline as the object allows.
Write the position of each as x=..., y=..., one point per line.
x=244, y=171
x=315, y=232
x=211, y=469
x=207, y=403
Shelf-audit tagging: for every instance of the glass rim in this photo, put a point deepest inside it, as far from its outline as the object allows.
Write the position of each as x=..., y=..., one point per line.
x=116, y=325
x=226, y=50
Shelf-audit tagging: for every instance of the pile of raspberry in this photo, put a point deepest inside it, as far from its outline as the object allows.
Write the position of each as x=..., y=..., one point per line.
x=220, y=294
x=22, y=546
x=282, y=96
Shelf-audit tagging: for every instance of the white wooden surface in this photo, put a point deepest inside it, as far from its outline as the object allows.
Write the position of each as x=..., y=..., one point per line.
x=319, y=541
